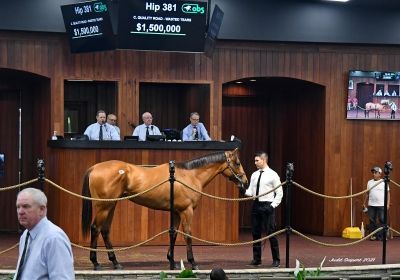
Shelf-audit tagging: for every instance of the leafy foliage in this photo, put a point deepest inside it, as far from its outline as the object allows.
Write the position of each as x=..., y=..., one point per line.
x=300, y=272
x=186, y=273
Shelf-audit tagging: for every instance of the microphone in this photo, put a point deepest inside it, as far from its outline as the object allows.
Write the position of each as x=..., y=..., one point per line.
x=151, y=127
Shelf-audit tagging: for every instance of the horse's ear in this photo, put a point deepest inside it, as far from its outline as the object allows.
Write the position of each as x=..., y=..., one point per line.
x=230, y=154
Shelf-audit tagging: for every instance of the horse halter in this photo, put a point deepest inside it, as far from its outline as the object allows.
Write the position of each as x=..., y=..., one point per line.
x=234, y=175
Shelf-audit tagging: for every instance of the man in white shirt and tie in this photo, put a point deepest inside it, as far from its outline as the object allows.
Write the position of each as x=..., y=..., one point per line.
x=146, y=128
x=196, y=130
x=263, y=211
x=101, y=130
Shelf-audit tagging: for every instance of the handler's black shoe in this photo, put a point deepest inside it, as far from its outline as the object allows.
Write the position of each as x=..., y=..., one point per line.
x=276, y=263
x=255, y=262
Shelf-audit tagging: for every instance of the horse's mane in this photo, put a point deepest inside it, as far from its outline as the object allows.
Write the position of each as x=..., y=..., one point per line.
x=202, y=161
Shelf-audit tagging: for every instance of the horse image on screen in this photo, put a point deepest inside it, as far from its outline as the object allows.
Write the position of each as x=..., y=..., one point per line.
x=373, y=95
x=115, y=179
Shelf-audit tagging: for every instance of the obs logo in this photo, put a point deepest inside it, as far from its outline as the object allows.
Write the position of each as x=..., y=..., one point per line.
x=192, y=9
x=99, y=7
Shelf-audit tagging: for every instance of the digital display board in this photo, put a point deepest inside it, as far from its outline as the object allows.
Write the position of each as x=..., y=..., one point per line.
x=89, y=27
x=162, y=25
x=387, y=76
x=2, y=165
x=373, y=95
x=213, y=30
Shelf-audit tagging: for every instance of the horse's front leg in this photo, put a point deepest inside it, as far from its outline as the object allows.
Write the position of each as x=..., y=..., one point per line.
x=177, y=222
x=94, y=234
x=187, y=224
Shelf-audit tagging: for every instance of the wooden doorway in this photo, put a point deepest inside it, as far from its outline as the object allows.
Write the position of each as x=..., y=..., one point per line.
x=286, y=118
x=24, y=111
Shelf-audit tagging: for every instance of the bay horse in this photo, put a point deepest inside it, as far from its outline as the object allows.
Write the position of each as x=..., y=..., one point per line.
x=114, y=179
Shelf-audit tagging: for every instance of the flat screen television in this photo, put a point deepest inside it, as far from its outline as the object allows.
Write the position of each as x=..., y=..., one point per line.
x=373, y=95
x=2, y=165
x=213, y=30
x=171, y=25
x=88, y=26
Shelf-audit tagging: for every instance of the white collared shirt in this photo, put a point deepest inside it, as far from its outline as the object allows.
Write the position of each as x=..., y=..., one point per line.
x=269, y=180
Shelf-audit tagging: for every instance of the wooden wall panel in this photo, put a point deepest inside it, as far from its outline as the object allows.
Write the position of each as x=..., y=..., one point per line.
x=349, y=147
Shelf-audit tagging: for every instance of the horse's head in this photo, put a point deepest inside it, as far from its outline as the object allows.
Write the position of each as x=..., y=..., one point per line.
x=234, y=169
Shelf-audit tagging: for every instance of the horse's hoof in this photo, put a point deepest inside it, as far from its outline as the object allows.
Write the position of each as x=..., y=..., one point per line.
x=97, y=267
x=118, y=266
x=177, y=265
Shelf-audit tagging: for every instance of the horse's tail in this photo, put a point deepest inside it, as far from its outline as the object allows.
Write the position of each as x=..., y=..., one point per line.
x=86, y=205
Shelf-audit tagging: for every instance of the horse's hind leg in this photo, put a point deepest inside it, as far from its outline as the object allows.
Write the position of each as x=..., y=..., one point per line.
x=177, y=222
x=111, y=255
x=94, y=234
x=105, y=232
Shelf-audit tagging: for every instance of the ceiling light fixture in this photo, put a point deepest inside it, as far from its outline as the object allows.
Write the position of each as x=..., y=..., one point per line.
x=338, y=0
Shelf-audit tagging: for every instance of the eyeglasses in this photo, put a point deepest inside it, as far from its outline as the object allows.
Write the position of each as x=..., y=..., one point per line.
x=196, y=120
x=113, y=120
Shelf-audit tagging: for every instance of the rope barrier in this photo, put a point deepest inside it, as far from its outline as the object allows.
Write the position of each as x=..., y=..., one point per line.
x=220, y=243
x=395, y=231
x=9, y=249
x=336, y=197
x=211, y=196
x=104, y=199
x=394, y=183
x=231, y=244
x=337, y=245
x=19, y=185
x=229, y=199
x=193, y=189
x=122, y=248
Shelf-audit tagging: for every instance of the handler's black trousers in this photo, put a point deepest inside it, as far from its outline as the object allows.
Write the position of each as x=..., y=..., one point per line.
x=261, y=220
